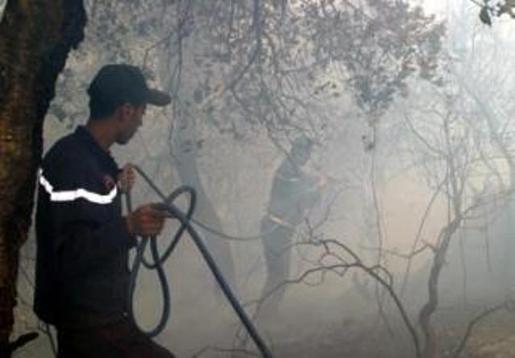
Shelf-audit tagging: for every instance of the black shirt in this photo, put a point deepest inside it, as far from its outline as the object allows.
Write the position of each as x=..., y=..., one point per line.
x=82, y=239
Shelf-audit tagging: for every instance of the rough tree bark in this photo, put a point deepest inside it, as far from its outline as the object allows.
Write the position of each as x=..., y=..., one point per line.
x=35, y=39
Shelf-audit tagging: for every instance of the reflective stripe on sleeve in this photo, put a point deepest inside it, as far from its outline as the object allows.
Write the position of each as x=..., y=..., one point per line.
x=71, y=195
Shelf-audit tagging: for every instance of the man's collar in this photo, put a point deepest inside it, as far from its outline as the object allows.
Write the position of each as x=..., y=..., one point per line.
x=85, y=136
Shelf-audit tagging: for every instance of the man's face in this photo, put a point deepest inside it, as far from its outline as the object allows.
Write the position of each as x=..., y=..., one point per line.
x=131, y=118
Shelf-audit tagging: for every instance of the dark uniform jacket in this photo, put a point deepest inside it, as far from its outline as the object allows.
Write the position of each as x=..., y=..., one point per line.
x=82, y=239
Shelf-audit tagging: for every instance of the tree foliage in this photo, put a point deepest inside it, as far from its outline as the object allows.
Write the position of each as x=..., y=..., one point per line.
x=270, y=64
x=496, y=8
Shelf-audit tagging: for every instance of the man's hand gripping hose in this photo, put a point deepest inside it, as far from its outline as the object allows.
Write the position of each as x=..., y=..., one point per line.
x=157, y=260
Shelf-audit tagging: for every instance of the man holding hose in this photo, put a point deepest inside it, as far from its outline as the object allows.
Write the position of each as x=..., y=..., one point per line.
x=83, y=241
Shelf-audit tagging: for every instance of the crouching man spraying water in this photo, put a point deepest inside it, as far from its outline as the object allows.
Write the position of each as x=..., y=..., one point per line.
x=83, y=240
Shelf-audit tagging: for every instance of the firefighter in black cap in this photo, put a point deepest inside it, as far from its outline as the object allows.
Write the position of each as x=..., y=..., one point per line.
x=83, y=240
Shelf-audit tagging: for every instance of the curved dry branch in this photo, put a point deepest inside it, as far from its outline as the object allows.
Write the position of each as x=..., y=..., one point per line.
x=419, y=235
x=487, y=312
x=341, y=269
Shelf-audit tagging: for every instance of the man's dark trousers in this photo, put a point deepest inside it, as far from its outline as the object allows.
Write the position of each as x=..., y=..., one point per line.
x=119, y=339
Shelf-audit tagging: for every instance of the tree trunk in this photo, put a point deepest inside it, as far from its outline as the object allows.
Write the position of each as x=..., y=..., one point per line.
x=35, y=39
x=186, y=164
x=184, y=141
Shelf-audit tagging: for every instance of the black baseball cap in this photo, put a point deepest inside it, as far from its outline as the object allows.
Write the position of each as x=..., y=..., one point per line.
x=120, y=83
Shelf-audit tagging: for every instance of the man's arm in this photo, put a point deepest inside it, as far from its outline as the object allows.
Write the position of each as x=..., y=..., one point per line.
x=84, y=245
x=85, y=226
x=88, y=230
x=87, y=244
x=85, y=239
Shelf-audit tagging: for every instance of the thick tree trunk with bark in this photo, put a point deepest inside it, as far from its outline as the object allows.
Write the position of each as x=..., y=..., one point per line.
x=35, y=39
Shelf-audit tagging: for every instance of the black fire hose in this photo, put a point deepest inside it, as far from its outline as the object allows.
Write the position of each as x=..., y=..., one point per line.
x=167, y=205
x=158, y=260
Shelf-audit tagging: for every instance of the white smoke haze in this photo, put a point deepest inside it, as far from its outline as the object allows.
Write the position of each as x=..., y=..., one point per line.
x=412, y=119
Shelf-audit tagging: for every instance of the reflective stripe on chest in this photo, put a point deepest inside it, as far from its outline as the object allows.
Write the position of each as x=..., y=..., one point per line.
x=79, y=193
